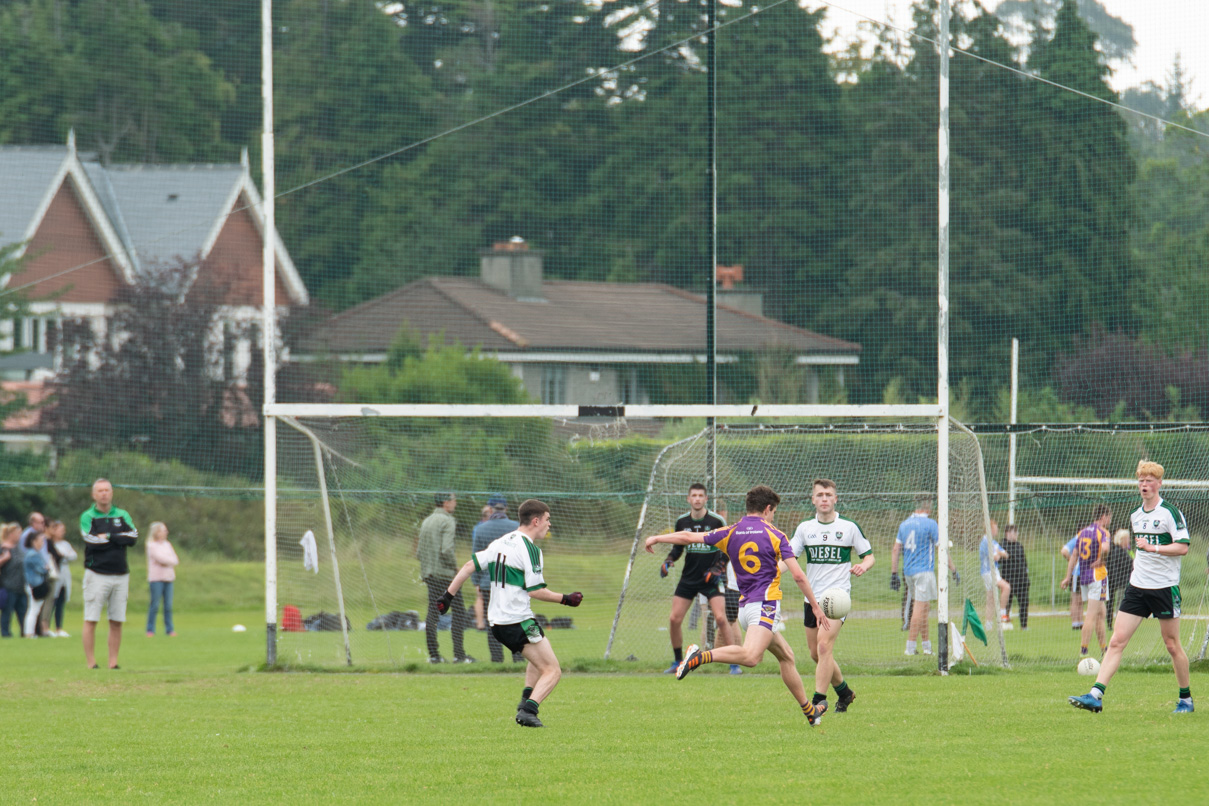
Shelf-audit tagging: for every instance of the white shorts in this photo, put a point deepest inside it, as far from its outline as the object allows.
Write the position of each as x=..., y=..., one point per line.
x=989, y=579
x=922, y=586
x=1096, y=591
x=105, y=590
x=752, y=614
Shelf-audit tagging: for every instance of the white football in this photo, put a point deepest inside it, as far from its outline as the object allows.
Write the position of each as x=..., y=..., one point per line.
x=1088, y=666
x=835, y=603
x=239, y=628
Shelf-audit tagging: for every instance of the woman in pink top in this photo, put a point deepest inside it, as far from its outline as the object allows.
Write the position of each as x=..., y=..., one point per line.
x=161, y=574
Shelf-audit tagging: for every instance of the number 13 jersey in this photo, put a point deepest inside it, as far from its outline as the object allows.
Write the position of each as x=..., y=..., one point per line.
x=755, y=547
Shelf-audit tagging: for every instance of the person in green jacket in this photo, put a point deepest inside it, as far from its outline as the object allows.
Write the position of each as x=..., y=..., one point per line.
x=437, y=568
x=108, y=532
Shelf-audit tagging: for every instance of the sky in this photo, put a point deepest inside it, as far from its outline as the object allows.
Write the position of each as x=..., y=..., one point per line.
x=1162, y=28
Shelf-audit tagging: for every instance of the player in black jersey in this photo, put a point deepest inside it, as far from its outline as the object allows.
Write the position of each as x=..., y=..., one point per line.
x=704, y=573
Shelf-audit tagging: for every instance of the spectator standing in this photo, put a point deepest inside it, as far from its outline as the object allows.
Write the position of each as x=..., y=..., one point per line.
x=161, y=576
x=36, y=582
x=480, y=613
x=486, y=533
x=1014, y=568
x=56, y=532
x=35, y=522
x=1120, y=566
x=12, y=580
x=108, y=532
x=438, y=567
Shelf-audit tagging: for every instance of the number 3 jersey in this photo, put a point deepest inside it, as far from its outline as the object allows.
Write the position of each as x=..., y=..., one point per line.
x=755, y=547
x=825, y=551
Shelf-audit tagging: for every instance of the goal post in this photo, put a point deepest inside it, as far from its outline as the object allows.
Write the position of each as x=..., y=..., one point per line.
x=362, y=478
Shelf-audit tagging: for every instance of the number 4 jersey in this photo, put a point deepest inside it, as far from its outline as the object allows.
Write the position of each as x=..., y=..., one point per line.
x=825, y=551
x=755, y=547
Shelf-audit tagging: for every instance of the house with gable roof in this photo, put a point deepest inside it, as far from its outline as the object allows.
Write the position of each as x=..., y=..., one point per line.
x=85, y=230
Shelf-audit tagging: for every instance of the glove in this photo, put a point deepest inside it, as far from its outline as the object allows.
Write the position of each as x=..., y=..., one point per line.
x=895, y=584
x=667, y=566
x=572, y=599
x=956, y=576
x=717, y=571
x=444, y=602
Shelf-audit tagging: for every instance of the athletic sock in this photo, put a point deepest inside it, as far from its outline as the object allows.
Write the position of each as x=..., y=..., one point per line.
x=1083, y=650
x=818, y=698
x=525, y=692
x=530, y=706
x=927, y=646
x=841, y=688
x=911, y=647
x=1186, y=694
x=808, y=709
x=678, y=653
x=1103, y=650
x=706, y=657
x=1097, y=691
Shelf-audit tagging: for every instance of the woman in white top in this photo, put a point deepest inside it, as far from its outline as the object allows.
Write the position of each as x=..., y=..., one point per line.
x=62, y=588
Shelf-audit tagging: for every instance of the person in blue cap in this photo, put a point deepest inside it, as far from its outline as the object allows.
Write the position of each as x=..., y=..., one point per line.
x=484, y=534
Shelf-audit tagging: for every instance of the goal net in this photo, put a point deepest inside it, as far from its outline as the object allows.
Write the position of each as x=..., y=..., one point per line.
x=360, y=486
x=1061, y=475
x=880, y=472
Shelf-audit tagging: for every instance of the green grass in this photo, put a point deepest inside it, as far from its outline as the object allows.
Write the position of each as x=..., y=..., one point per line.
x=186, y=721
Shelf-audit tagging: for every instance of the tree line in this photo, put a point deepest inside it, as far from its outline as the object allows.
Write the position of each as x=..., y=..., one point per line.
x=1075, y=227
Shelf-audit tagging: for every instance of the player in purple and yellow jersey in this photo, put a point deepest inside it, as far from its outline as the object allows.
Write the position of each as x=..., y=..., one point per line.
x=755, y=547
x=1090, y=552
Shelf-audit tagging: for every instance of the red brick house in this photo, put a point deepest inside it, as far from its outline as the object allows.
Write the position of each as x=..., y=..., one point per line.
x=85, y=230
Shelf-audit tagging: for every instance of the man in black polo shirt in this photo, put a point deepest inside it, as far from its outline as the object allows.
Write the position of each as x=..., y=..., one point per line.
x=704, y=573
x=108, y=532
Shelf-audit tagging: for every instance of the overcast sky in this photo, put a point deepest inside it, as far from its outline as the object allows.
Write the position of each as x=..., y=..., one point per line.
x=1162, y=29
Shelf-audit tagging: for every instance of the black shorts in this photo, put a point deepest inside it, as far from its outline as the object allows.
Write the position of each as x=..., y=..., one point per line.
x=811, y=622
x=1162, y=603
x=732, y=605
x=687, y=589
x=517, y=636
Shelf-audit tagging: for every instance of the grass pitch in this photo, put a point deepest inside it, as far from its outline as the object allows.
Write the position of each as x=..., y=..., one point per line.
x=187, y=720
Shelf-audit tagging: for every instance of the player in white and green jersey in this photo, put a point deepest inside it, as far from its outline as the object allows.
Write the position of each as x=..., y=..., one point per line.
x=824, y=545
x=1161, y=538
x=514, y=564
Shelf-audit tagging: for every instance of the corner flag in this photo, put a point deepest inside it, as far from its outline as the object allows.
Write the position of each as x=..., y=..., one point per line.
x=971, y=619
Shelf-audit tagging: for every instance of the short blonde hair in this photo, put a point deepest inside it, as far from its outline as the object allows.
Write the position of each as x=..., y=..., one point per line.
x=1121, y=538
x=156, y=528
x=1149, y=468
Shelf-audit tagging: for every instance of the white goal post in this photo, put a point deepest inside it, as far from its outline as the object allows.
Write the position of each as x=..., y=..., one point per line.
x=338, y=437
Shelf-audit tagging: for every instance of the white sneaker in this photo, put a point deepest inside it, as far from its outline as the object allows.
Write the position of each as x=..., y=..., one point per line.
x=64, y=634
x=1007, y=625
x=927, y=652
x=909, y=652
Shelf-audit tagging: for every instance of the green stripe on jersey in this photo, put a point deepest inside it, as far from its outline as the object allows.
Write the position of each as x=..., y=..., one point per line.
x=535, y=554
x=512, y=576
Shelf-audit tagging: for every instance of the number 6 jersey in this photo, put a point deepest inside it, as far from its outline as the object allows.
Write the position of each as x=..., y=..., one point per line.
x=755, y=547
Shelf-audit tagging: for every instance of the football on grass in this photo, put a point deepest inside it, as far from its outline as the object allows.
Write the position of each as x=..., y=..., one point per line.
x=835, y=603
x=1088, y=666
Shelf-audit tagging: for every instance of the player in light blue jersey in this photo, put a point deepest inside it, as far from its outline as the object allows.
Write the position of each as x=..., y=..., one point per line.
x=917, y=538
x=1076, y=598
x=989, y=553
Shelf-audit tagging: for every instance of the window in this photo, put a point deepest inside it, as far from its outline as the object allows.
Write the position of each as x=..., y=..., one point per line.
x=627, y=385
x=554, y=384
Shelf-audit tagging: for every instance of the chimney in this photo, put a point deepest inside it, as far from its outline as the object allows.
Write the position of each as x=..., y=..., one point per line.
x=512, y=267
x=732, y=297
